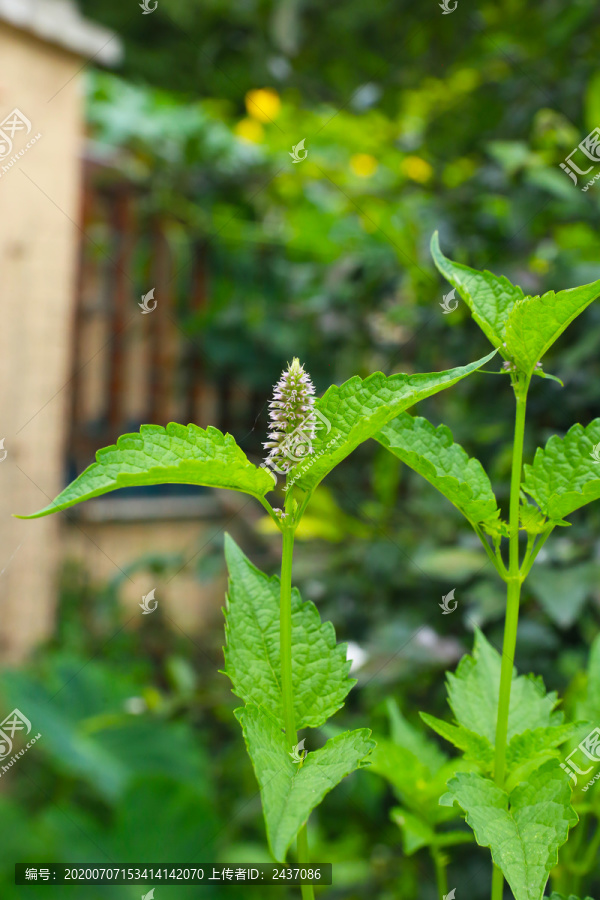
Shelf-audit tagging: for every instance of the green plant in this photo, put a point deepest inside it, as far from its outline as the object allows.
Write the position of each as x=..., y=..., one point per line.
x=282, y=661
x=517, y=799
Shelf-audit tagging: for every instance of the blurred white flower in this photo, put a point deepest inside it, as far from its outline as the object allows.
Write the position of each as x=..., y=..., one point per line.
x=357, y=655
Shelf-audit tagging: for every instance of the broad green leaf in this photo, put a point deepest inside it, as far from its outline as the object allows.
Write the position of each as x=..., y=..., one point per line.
x=535, y=323
x=532, y=748
x=523, y=829
x=413, y=739
x=474, y=746
x=177, y=454
x=432, y=453
x=555, y=896
x=565, y=474
x=522, y=747
x=409, y=776
x=474, y=689
x=289, y=790
x=525, y=752
x=415, y=784
x=416, y=833
x=528, y=326
x=489, y=297
x=414, y=765
x=252, y=658
x=356, y=410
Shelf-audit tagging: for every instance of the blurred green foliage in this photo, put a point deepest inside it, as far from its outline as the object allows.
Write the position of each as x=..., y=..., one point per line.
x=412, y=121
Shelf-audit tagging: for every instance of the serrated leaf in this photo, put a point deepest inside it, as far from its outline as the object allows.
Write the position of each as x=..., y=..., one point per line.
x=357, y=410
x=475, y=747
x=489, y=297
x=531, y=519
x=555, y=896
x=496, y=528
x=474, y=689
x=535, y=323
x=523, y=829
x=433, y=454
x=252, y=658
x=176, y=454
x=290, y=791
x=417, y=786
x=565, y=474
x=529, y=750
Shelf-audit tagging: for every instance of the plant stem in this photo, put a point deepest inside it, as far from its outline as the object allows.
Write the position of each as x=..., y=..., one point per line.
x=439, y=860
x=513, y=593
x=495, y=557
x=529, y=561
x=287, y=690
x=270, y=511
x=285, y=636
x=592, y=852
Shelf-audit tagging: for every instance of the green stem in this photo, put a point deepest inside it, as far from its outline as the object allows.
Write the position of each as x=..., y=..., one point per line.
x=269, y=509
x=513, y=593
x=287, y=690
x=592, y=853
x=495, y=557
x=529, y=561
x=285, y=637
x=440, y=862
x=497, y=884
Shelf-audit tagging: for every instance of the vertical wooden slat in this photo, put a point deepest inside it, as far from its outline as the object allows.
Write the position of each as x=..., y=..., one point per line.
x=161, y=345
x=195, y=361
x=121, y=289
x=224, y=391
x=76, y=428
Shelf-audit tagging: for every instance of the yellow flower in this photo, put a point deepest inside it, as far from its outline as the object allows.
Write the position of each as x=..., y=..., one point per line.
x=539, y=265
x=416, y=168
x=263, y=104
x=363, y=164
x=249, y=130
